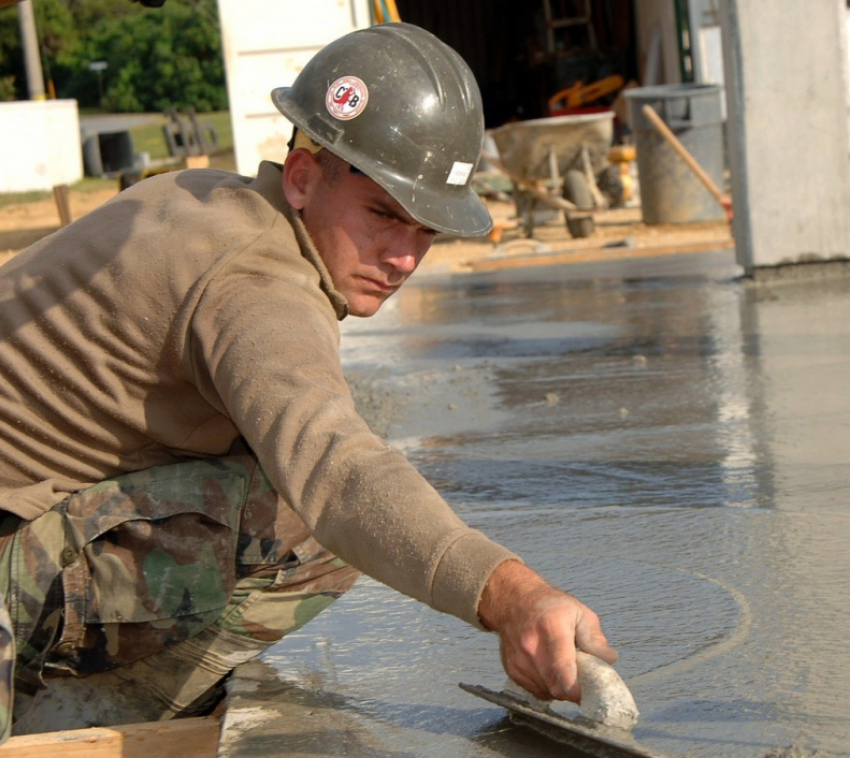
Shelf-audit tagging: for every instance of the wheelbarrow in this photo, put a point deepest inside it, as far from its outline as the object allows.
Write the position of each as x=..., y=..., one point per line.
x=554, y=161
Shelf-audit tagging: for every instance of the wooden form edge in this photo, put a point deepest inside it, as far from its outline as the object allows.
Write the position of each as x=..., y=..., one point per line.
x=183, y=738
x=591, y=255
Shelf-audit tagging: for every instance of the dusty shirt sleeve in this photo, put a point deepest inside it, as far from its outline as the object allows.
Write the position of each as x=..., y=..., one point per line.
x=267, y=349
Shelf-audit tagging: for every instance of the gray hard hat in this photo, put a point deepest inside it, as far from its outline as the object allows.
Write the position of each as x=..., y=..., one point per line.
x=404, y=108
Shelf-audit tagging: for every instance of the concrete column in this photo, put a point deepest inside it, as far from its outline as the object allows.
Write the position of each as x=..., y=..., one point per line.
x=658, y=53
x=785, y=65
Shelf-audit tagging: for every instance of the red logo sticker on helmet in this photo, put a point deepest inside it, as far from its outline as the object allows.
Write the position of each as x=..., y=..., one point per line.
x=346, y=98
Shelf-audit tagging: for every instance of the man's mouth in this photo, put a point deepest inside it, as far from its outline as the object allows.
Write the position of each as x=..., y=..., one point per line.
x=379, y=284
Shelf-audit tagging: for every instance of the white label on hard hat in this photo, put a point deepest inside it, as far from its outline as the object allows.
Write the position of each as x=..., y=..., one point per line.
x=460, y=173
x=346, y=98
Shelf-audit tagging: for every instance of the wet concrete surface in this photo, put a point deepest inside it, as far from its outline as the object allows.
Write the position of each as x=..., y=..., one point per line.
x=660, y=438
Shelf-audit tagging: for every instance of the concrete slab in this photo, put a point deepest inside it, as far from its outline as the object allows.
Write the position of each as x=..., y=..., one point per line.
x=664, y=440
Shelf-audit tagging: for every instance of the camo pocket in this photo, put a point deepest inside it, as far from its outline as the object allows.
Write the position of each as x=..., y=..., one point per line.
x=156, y=544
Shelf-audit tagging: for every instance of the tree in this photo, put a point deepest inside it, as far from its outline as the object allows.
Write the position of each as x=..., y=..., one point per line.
x=11, y=56
x=57, y=34
x=156, y=58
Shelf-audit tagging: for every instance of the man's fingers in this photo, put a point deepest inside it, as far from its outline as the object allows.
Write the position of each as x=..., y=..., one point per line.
x=560, y=670
x=567, y=686
x=605, y=652
x=591, y=639
x=599, y=647
x=523, y=670
x=532, y=685
x=596, y=644
x=540, y=628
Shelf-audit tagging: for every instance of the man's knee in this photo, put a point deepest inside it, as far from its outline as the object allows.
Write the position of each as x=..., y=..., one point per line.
x=286, y=576
x=275, y=600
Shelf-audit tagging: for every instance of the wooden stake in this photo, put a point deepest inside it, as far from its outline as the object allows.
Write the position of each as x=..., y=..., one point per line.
x=63, y=205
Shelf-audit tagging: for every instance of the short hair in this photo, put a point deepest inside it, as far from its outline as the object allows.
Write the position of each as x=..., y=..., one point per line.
x=332, y=166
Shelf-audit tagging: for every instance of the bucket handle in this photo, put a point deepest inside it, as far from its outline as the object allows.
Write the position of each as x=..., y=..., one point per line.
x=675, y=123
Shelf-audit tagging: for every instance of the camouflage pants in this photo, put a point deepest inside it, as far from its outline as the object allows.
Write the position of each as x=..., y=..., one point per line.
x=154, y=575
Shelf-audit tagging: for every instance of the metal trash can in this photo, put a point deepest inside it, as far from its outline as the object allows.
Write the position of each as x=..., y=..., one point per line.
x=670, y=192
x=106, y=154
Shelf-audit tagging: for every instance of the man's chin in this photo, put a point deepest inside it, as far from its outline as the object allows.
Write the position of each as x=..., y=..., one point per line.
x=365, y=306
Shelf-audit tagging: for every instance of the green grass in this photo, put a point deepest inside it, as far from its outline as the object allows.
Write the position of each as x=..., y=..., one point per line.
x=146, y=139
x=151, y=140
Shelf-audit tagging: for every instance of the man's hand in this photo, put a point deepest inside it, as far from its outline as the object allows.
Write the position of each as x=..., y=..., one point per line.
x=539, y=628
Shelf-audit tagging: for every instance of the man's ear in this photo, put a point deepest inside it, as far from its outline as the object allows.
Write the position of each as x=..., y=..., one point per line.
x=300, y=173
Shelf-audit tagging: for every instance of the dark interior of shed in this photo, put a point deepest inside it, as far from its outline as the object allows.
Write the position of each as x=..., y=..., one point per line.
x=521, y=61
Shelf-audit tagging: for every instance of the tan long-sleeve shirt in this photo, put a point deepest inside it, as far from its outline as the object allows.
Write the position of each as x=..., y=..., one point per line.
x=189, y=310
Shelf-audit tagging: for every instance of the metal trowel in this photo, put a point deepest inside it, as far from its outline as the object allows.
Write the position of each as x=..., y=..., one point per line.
x=603, y=726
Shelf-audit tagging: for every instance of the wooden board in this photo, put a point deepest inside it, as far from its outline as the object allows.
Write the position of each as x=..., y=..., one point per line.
x=593, y=255
x=182, y=738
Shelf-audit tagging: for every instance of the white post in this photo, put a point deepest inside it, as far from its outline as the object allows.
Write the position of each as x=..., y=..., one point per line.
x=32, y=53
x=785, y=64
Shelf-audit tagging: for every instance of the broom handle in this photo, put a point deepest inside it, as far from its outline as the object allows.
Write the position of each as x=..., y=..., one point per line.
x=659, y=124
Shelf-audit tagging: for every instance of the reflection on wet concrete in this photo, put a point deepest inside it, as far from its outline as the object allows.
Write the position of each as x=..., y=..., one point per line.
x=665, y=441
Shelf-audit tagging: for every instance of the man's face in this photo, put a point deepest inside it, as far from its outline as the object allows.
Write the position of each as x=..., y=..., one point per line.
x=368, y=242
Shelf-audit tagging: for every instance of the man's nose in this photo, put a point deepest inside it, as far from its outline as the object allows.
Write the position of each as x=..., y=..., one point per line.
x=406, y=250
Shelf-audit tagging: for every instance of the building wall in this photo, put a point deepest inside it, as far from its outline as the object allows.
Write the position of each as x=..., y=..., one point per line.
x=41, y=145
x=266, y=43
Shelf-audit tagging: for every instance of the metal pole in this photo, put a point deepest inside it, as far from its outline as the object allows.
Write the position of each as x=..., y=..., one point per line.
x=32, y=54
x=683, y=38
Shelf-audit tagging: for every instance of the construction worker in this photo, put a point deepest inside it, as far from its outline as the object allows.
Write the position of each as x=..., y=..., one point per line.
x=185, y=478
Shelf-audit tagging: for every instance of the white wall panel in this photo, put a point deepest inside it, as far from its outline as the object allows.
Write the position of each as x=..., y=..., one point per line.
x=266, y=44
x=41, y=145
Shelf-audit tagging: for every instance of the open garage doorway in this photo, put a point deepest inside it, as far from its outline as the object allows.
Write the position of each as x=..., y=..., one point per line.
x=518, y=63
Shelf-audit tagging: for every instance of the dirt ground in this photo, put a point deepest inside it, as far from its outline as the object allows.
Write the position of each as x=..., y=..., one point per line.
x=618, y=232
x=23, y=224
